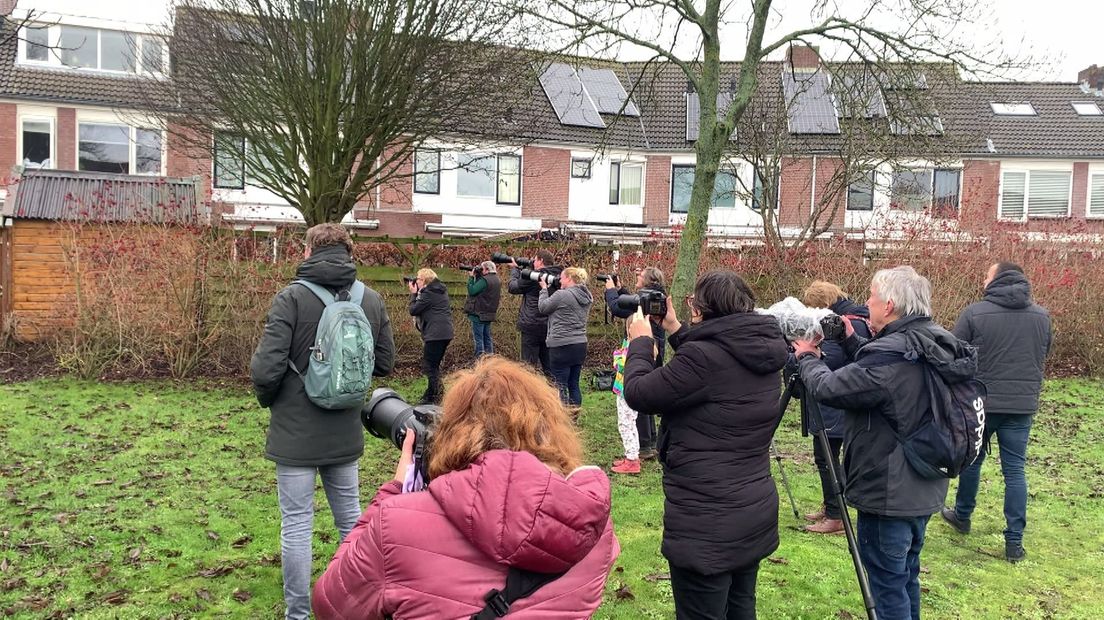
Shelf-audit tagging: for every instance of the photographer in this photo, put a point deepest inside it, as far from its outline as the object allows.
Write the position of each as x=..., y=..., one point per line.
x=718, y=398
x=504, y=451
x=429, y=305
x=822, y=294
x=885, y=396
x=637, y=430
x=567, y=311
x=484, y=295
x=531, y=324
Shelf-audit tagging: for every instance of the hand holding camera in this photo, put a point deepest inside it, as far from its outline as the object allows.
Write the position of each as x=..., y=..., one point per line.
x=639, y=325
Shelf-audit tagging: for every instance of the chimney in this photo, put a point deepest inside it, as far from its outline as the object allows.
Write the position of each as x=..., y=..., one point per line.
x=803, y=57
x=1093, y=76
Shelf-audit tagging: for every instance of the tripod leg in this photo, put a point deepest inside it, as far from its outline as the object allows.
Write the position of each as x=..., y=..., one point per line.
x=785, y=481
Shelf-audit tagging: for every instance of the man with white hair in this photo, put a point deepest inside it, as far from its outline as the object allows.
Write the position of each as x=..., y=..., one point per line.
x=885, y=396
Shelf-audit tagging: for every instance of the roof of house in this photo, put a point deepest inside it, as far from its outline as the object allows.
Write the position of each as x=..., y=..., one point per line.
x=1057, y=130
x=102, y=197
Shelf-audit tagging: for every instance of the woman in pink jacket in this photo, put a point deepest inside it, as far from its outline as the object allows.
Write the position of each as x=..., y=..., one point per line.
x=507, y=490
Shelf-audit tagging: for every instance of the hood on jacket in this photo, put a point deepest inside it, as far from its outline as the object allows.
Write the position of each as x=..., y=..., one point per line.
x=520, y=513
x=952, y=358
x=1009, y=289
x=847, y=306
x=755, y=340
x=436, y=287
x=329, y=266
x=581, y=293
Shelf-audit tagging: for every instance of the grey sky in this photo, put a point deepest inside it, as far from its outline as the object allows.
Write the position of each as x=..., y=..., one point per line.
x=1069, y=32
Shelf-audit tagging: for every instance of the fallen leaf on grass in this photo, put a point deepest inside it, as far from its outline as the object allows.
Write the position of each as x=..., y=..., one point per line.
x=774, y=560
x=624, y=593
x=175, y=597
x=203, y=594
x=242, y=595
x=212, y=535
x=217, y=571
x=12, y=584
x=658, y=577
x=117, y=597
x=100, y=483
x=135, y=553
x=101, y=571
x=4, y=566
x=843, y=614
x=241, y=541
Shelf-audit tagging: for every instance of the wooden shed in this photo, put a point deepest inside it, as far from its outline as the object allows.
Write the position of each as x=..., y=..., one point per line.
x=41, y=211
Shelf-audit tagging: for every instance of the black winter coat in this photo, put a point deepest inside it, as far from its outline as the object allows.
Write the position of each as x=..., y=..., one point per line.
x=529, y=318
x=882, y=392
x=300, y=433
x=835, y=357
x=718, y=398
x=431, y=312
x=1013, y=337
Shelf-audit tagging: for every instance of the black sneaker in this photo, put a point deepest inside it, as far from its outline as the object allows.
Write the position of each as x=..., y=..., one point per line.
x=962, y=526
x=1014, y=552
x=648, y=454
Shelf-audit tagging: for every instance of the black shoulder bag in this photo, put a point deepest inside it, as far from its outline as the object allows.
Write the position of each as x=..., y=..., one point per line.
x=519, y=584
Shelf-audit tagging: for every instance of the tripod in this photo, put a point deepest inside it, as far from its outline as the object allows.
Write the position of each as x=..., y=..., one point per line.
x=809, y=409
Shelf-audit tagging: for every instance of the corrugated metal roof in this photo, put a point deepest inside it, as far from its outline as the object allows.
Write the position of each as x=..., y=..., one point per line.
x=102, y=197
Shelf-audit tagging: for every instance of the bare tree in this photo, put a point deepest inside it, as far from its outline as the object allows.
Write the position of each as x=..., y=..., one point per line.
x=881, y=31
x=320, y=102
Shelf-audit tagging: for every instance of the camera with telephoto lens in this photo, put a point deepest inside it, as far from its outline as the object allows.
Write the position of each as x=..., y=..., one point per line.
x=650, y=301
x=388, y=416
x=409, y=279
x=800, y=323
x=603, y=277
x=477, y=269
x=832, y=326
x=505, y=259
x=538, y=276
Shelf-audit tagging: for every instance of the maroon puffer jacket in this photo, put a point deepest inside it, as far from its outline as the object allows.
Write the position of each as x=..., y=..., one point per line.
x=435, y=554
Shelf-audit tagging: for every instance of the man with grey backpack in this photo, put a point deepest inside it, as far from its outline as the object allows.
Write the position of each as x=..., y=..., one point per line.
x=325, y=337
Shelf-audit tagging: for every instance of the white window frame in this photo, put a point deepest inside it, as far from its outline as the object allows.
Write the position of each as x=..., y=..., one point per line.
x=1094, y=105
x=931, y=186
x=1028, y=169
x=37, y=118
x=1013, y=108
x=132, y=138
x=1094, y=173
x=621, y=163
x=493, y=196
x=53, y=58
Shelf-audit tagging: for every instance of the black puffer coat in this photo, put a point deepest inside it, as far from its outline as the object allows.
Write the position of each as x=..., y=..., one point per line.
x=835, y=357
x=1013, y=337
x=718, y=398
x=431, y=312
x=300, y=433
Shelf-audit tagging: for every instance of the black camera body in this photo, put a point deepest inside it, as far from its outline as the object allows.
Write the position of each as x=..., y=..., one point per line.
x=650, y=301
x=388, y=416
x=475, y=269
x=505, y=259
x=538, y=276
x=603, y=277
x=409, y=279
x=832, y=326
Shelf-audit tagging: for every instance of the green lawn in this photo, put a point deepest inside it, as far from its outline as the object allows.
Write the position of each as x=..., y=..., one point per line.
x=139, y=500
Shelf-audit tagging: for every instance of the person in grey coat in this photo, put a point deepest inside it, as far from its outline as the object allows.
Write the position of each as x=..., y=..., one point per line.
x=1013, y=337
x=567, y=311
x=304, y=440
x=884, y=394
x=429, y=305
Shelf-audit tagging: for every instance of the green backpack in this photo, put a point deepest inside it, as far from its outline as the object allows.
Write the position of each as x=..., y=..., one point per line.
x=339, y=375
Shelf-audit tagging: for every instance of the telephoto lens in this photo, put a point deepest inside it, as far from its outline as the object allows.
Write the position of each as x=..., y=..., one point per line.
x=409, y=279
x=388, y=416
x=500, y=258
x=537, y=276
x=651, y=302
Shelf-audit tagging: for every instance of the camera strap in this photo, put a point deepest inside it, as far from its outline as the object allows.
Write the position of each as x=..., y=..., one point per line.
x=520, y=584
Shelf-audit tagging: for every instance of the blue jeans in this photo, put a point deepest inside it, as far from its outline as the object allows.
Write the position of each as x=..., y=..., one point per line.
x=481, y=335
x=1012, y=432
x=295, y=486
x=567, y=366
x=890, y=552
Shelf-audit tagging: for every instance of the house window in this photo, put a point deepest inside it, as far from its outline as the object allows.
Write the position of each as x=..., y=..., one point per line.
x=1096, y=195
x=1012, y=109
x=860, y=194
x=945, y=192
x=79, y=47
x=911, y=190
x=427, y=171
x=37, y=135
x=509, y=180
x=38, y=44
x=229, y=161
x=475, y=176
x=626, y=184
x=104, y=148
x=147, y=151
x=153, y=55
x=1035, y=193
x=580, y=167
x=1086, y=108
x=615, y=183
x=117, y=51
x=682, y=186
x=760, y=189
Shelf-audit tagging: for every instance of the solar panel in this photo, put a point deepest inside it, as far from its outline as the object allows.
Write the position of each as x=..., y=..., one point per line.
x=568, y=97
x=693, y=114
x=809, y=105
x=859, y=96
x=606, y=92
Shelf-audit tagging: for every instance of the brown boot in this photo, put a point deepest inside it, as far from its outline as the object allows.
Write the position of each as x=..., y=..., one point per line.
x=826, y=526
x=813, y=517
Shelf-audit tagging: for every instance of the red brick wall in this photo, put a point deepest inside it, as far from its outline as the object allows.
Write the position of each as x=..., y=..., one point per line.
x=796, y=179
x=546, y=175
x=828, y=191
x=657, y=191
x=1079, y=203
x=980, y=191
x=8, y=132
x=397, y=194
x=66, y=139
x=403, y=224
x=803, y=56
x=188, y=156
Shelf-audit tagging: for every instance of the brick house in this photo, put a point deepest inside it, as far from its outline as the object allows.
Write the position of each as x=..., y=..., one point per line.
x=1030, y=153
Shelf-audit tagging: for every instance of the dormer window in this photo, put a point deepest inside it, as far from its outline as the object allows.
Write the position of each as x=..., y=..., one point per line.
x=1086, y=108
x=1013, y=109
x=93, y=49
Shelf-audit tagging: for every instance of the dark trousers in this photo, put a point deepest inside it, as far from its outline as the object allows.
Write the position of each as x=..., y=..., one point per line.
x=646, y=429
x=433, y=352
x=567, y=365
x=890, y=551
x=1012, y=432
x=533, y=349
x=724, y=596
x=831, y=506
